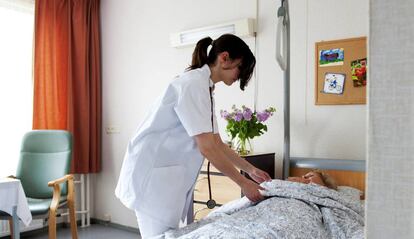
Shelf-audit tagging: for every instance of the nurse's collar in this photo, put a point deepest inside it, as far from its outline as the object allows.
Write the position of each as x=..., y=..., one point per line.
x=211, y=83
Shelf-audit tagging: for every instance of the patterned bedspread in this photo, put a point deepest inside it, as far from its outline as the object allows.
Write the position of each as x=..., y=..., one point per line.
x=293, y=210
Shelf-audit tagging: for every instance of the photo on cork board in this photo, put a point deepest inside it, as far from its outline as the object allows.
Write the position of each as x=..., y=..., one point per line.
x=359, y=72
x=334, y=83
x=331, y=57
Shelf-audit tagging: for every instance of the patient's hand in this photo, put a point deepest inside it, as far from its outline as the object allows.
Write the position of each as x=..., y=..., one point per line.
x=311, y=177
x=298, y=180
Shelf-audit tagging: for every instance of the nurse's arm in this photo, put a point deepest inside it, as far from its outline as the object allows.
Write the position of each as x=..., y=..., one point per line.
x=213, y=152
x=255, y=173
x=235, y=158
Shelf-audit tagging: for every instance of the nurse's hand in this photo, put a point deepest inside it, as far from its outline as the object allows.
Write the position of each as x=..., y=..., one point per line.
x=251, y=190
x=259, y=175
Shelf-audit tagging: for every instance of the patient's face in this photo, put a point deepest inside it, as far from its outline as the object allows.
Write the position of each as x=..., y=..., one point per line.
x=310, y=177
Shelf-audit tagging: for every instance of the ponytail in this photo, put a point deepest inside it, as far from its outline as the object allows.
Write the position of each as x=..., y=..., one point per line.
x=232, y=44
x=200, y=56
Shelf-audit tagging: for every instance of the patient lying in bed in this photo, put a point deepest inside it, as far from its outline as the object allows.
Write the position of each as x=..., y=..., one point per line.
x=301, y=207
x=317, y=177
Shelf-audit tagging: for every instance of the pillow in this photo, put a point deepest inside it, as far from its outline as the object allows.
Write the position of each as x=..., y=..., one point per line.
x=351, y=192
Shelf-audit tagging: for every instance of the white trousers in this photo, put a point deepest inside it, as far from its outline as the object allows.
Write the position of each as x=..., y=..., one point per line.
x=150, y=227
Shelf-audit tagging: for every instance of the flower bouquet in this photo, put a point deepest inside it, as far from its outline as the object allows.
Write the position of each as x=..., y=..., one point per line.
x=243, y=125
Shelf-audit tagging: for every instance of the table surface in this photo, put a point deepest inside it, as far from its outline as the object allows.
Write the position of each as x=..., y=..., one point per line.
x=8, y=180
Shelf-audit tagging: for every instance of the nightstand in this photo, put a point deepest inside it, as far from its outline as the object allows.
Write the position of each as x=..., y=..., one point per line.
x=263, y=161
x=223, y=189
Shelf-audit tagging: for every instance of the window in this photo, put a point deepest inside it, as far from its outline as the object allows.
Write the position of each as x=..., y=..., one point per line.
x=16, y=79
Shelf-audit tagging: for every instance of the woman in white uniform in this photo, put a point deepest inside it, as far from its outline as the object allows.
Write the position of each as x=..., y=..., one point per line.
x=164, y=157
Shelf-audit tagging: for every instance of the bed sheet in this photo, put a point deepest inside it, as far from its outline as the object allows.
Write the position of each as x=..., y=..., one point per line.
x=292, y=210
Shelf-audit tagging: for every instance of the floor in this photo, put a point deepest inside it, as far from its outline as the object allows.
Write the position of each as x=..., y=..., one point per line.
x=94, y=231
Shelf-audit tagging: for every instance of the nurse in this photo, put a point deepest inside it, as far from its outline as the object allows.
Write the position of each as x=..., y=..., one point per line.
x=164, y=157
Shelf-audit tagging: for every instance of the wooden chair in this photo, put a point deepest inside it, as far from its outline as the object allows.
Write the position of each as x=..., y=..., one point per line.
x=43, y=169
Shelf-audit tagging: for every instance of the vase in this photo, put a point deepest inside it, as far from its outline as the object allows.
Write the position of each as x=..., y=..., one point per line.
x=244, y=146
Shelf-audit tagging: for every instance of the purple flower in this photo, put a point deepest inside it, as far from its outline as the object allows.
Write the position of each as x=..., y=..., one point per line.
x=224, y=114
x=238, y=116
x=263, y=116
x=247, y=114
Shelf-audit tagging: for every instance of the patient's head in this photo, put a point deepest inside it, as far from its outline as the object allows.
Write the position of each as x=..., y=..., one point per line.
x=317, y=177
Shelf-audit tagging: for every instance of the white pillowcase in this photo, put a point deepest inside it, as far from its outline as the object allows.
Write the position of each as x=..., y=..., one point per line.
x=354, y=193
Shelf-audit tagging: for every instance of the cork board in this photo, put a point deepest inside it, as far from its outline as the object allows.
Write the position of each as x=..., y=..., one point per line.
x=340, y=68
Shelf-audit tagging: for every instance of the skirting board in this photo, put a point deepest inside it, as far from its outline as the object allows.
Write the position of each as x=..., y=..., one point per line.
x=114, y=225
x=66, y=224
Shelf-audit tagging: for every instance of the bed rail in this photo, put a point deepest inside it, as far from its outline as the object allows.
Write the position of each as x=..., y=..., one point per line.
x=328, y=164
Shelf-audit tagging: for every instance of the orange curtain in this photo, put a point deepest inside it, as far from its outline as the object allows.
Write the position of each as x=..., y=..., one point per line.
x=67, y=76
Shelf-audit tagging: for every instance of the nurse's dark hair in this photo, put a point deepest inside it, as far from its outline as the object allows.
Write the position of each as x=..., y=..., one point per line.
x=232, y=44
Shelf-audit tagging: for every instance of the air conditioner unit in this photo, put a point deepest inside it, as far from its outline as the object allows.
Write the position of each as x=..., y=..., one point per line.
x=241, y=28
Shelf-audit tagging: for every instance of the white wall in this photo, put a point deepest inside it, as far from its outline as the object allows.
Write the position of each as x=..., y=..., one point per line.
x=138, y=63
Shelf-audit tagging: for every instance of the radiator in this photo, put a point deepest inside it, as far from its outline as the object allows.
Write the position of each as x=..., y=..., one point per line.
x=5, y=230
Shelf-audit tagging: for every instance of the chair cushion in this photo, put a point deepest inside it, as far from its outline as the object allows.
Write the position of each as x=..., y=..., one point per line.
x=41, y=206
x=45, y=155
x=37, y=169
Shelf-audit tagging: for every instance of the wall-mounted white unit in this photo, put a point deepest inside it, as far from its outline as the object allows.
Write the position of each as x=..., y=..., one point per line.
x=241, y=28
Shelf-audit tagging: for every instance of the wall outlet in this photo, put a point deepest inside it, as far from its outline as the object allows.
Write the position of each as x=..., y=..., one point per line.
x=112, y=129
x=107, y=217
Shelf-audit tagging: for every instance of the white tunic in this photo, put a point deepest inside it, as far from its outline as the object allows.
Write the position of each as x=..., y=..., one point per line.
x=162, y=161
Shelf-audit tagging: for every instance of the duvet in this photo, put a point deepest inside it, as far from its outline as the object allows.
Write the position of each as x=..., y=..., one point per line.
x=291, y=210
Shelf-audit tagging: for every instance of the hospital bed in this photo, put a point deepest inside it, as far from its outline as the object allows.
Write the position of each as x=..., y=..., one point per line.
x=293, y=210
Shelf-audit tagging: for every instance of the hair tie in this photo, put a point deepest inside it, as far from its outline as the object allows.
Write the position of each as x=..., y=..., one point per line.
x=209, y=49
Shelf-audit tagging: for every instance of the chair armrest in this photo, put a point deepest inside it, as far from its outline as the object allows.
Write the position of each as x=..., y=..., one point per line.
x=60, y=180
x=56, y=191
